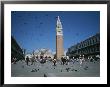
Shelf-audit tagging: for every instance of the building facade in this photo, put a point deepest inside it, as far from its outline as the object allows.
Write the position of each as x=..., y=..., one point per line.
x=88, y=47
x=16, y=51
x=59, y=39
x=43, y=52
x=40, y=52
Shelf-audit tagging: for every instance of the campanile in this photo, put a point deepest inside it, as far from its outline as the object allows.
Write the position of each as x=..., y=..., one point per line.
x=59, y=39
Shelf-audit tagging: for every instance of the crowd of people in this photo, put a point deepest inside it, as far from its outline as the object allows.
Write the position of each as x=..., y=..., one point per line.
x=64, y=60
x=34, y=59
x=14, y=60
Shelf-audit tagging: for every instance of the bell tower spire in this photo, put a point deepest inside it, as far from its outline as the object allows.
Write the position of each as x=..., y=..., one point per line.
x=59, y=27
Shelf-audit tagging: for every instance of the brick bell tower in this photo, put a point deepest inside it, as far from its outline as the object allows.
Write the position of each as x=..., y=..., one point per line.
x=59, y=39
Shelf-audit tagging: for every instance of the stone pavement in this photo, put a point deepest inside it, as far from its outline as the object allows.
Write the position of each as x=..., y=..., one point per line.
x=89, y=69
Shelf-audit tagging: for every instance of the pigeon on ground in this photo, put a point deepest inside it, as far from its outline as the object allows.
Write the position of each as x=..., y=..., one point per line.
x=45, y=75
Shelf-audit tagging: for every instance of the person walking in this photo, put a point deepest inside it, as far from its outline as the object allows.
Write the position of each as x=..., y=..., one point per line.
x=54, y=62
x=73, y=60
x=80, y=60
x=14, y=60
x=67, y=60
x=63, y=60
x=27, y=60
x=32, y=60
x=83, y=58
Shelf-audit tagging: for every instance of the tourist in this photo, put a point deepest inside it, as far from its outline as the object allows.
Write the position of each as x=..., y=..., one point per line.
x=14, y=60
x=80, y=60
x=83, y=58
x=36, y=58
x=63, y=60
x=27, y=60
x=32, y=60
x=73, y=60
x=91, y=59
x=67, y=60
x=54, y=61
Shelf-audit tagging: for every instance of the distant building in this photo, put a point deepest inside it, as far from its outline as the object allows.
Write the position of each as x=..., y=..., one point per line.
x=88, y=47
x=41, y=52
x=16, y=51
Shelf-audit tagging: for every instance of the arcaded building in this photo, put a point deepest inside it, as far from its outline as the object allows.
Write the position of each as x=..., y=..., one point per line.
x=88, y=47
x=16, y=50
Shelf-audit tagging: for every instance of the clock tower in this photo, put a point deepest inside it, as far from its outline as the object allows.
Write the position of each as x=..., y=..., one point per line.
x=59, y=39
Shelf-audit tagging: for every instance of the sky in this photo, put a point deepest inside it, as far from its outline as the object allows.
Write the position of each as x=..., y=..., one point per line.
x=37, y=29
